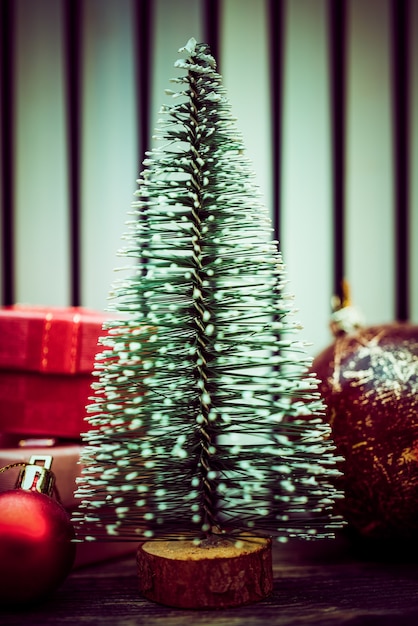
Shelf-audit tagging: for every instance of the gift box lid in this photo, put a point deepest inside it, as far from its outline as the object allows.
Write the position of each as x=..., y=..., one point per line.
x=50, y=339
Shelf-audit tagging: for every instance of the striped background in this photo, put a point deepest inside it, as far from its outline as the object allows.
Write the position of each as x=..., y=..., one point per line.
x=325, y=93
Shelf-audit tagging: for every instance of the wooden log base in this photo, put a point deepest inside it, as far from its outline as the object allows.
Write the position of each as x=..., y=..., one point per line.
x=219, y=574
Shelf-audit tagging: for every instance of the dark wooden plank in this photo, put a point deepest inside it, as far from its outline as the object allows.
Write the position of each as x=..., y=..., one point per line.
x=143, y=17
x=322, y=585
x=337, y=62
x=400, y=20
x=276, y=18
x=7, y=152
x=211, y=31
x=73, y=74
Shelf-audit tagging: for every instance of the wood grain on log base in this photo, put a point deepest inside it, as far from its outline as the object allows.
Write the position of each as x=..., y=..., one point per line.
x=221, y=574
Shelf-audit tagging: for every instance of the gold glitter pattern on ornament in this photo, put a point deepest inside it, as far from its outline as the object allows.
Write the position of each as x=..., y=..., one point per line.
x=370, y=385
x=396, y=370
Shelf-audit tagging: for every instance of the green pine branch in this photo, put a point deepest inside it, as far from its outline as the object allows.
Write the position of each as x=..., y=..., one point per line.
x=204, y=419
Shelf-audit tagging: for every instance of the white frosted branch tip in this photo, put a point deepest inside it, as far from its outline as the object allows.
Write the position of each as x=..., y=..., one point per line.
x=190, y=47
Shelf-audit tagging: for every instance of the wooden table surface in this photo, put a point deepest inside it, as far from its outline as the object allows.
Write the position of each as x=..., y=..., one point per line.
x=317, y=583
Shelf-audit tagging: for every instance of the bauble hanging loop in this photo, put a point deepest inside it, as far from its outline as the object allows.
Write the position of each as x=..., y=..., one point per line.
x=34, y=477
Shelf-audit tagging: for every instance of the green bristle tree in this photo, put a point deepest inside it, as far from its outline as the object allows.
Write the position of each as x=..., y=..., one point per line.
x=204, y=419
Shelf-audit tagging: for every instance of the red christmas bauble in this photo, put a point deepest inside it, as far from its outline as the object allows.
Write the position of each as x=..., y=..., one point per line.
x=36, y=552
x=369, y=381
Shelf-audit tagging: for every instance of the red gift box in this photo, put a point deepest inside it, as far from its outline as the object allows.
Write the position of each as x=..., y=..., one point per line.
x=46, y=362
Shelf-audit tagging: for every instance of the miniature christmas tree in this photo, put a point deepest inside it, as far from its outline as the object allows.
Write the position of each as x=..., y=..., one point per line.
x=206, y=426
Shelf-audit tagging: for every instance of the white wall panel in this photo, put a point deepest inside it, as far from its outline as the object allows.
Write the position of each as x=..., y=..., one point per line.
x=414, y=162
x=369, y=223
x=41, y=215
x=306, y=200
x=110, y=163
x=174, y=24
x=244, y=65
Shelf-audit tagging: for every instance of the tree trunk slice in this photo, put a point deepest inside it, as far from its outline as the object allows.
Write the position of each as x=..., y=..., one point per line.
x=220, y=574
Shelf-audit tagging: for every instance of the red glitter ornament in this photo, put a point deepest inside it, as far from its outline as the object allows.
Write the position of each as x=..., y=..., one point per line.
x=36, y=549
x=369, y=381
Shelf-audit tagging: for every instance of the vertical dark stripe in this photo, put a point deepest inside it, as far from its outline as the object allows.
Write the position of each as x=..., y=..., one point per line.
x=400, y=107
x=72, y=25
x=211, y=28
x=143, y=23
x=337, y=64
x=275, y=34
x=143, y=30
x=7, y=148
